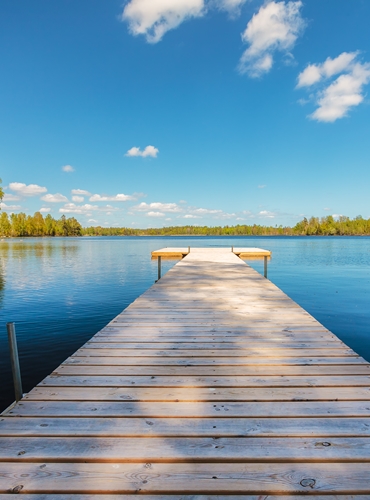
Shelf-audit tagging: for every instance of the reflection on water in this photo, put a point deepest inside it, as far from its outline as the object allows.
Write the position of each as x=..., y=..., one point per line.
x=2, y=280
x=61, y=291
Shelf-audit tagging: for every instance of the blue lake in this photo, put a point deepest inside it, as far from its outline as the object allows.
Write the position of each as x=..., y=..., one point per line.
x=61, y=291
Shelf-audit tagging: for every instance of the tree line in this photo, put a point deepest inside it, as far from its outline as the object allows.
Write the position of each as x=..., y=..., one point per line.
x=22, y=225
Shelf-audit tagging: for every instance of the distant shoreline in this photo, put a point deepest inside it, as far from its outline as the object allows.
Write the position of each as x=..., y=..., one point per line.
x=22, y=226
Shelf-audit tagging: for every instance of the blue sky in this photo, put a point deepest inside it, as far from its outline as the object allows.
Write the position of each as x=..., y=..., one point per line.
x=170, y=112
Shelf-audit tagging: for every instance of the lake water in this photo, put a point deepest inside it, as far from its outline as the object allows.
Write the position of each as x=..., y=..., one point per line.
x=61, y=291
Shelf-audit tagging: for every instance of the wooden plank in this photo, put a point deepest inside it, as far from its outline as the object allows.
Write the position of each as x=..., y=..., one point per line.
x=276, y=353
x=219, y=371
x=86, y=393
x=191, y=409
x=186, y=427
x=184, y=450
x=67, y=496
x=144, y=361
x=199, y=381
x=223, y=478
x=183, y=343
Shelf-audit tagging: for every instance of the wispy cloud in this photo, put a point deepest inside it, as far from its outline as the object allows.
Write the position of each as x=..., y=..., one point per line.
x=72, y=208
x=155, y=214
x=82, y=192
x=9, y=208
x=275, y=27
x=27, y=190
x=148, y=151
x=231, y=6
x=68, y=168
x=157, y=206
x=206, y=211
x=261, y=186
x=78, y=199
x=54, y=198
x=153, y=18
x=116, y=197
x=335, y=97
x=267, y=214
x=10, y=197
x=45, y=210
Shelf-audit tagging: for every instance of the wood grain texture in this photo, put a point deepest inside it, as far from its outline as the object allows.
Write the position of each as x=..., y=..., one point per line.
x=185, y=478
x=212, y=385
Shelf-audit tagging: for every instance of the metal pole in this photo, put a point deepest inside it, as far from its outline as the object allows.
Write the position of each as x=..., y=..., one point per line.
x=188, y=249
x=14, y=358
x=265, y=266
x=159, y=266
x=232, y=249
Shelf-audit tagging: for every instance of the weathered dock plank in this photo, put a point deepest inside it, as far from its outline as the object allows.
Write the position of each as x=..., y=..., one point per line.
x=212, y=384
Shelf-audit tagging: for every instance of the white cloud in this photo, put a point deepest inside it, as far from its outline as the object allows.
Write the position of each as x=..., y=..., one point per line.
x=313, y=73
x=191, y=216
x=156, y=214
x=206, y=211
x=163, y=207
x=275, y=27
x=267, y=213
x=117, y=197
x=334, y=98
x=78, y=199
x=23, y=190
x=72, y=208
x=45, y=210
x=68, y=168
x=261, y=186
x=344, y=93
x=9, y=208
x=10, y=197
x=153, y=18
x=82, y=192
x=231, y=6
x=93, y=220
x=54, y=198
x=148, y=151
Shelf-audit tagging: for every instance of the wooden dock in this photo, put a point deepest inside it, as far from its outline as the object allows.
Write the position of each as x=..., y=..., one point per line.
x=179, y=253
x=212, y=385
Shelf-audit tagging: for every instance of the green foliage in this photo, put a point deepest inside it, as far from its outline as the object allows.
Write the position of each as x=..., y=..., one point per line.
x=328, y=226
x=26, y=225
x=36, y=225
x=239, y=230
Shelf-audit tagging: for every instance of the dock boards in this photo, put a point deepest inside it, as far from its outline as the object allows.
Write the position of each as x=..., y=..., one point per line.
x=212, y=385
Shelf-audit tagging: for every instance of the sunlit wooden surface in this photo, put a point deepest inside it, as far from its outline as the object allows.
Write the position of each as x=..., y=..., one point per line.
x=211, y=385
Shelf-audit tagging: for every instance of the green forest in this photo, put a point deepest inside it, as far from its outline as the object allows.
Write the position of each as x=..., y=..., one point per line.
x=22, y=225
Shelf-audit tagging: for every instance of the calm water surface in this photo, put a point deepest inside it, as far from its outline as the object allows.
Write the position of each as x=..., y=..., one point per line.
x=61, y=291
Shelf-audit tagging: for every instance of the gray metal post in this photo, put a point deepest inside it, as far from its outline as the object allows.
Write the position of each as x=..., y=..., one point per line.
x=188, y=249
x=265, y=266
x=159, y=266
x=15, y=361
x=232, y=249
